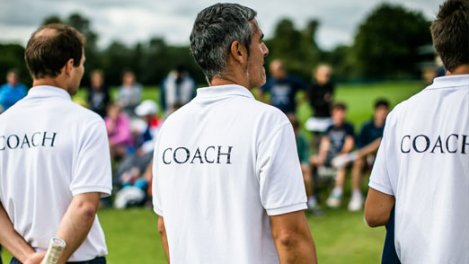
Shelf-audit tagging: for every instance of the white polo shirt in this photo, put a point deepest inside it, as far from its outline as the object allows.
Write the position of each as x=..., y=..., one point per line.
x=423, y=161
x=50, y=150
x=223, y=164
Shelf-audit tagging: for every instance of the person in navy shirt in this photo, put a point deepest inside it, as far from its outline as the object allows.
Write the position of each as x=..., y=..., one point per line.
x=368, y=143
x=338, y=139
x=282, y=88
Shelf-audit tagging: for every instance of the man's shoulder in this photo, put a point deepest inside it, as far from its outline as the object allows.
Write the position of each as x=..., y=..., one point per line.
x=249, y=109
x=267, y=111
x=348, y=126
x=367, y=125
x=82, y=114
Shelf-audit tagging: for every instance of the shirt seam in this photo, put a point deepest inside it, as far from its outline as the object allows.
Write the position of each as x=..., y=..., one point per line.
x=273, y=133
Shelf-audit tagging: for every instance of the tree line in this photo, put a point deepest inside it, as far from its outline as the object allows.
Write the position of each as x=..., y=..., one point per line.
x=386, y=46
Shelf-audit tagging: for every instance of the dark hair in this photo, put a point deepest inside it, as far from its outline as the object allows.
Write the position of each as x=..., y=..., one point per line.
x=13, y=70
x=47, y=52
x=450, y=33
x=97, y=71
x=381, y=102
x=215, y=28
x=339, y=106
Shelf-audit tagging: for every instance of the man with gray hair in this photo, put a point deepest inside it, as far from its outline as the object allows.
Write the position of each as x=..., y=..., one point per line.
x=231, y=190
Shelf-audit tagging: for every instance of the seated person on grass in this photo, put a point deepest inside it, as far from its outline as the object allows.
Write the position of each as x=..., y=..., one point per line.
x=131, y=172
x=303, y=154
x=119, y=132
x=338, y=139
x=367, y=143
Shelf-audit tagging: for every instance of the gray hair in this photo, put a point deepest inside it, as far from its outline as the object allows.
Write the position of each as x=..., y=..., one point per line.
x=215, y=28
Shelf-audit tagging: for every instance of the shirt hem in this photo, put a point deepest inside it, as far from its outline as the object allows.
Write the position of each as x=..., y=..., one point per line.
x=380, y=188
x=158, y=212
x=105, y=192
x=287, y=209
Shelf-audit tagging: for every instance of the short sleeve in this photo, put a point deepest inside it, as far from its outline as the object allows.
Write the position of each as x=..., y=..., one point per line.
x=380, y=179
x=281, y=182
x=350, y=130
x=92, y=168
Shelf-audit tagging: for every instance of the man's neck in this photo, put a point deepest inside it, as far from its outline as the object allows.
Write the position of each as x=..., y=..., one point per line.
x=378, y=123
x=225, y=80
x=49, y=81
x=461, y=69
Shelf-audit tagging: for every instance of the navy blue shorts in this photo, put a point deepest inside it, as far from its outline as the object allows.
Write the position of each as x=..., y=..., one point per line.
x=389, y=250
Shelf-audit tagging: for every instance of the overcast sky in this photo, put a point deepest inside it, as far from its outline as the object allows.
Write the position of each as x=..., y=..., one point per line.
x=137, y=20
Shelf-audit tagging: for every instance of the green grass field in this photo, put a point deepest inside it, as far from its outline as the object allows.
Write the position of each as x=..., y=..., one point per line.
x=340, y=236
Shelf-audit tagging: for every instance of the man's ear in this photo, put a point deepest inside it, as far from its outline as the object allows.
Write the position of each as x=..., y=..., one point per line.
x=239, y=52
x=68, y=67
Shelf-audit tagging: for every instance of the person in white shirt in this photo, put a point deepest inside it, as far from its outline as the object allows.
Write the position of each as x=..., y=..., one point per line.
x=422, y=166
x=176, y=90
x=227, y=181
x=130, y=93
x=54, y=157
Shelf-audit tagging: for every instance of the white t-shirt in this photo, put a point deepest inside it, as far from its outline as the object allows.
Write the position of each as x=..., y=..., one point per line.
x=423, y=161
x=50, y=150
x=223, y=164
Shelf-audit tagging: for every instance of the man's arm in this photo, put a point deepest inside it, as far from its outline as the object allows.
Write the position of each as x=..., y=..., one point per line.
x=348, y=145
x=292, y=238
x=14, y=243
x=77, y=222
x=370, y=148
x=378, y=207
x=163, y=237
x=324, y=147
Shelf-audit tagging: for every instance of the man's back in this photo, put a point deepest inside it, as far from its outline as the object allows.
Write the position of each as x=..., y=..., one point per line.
x=424, y=163
x=219, y=164
x=46, y=144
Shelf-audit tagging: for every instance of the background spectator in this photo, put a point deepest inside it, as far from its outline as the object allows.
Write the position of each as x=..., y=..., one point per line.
x=98, y=93
x=282, y=88
x=338, y=139
x=177, y=90
x=119, y=131
x=320, y=97
x=368, y=143
x=12, y=91
x=130, y=93
x=304, y=154
x=131, y=172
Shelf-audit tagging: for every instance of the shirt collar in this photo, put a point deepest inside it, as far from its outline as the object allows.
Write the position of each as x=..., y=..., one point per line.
x=223, y=91
x=450, y=81
x=48, y=91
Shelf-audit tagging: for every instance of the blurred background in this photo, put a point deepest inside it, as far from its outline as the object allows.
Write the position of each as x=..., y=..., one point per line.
x=363, y=40
x=136, y=51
